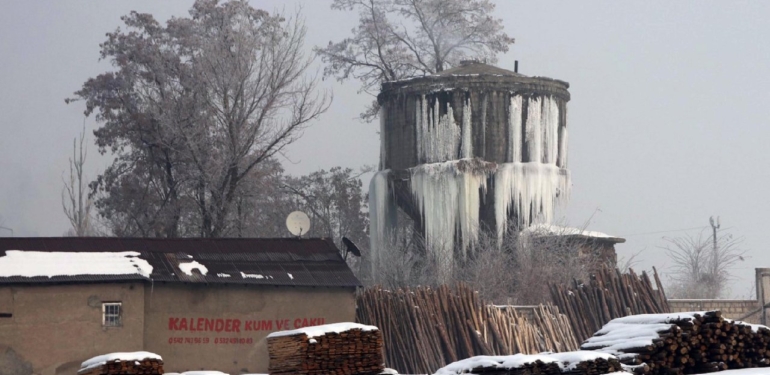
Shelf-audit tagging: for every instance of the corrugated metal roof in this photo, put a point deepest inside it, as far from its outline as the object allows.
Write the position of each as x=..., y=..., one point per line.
x=253, y=261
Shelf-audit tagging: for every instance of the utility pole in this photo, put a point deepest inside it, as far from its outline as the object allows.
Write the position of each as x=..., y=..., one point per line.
x=714, y=227
x=715, y=260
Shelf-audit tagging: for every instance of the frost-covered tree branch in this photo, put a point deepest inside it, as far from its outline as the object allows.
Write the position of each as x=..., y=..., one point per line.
x=76, y=202
x=397, y=39
x=192, y=109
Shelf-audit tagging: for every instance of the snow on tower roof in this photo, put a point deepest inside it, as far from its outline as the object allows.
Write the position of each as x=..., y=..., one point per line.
x=547, y=230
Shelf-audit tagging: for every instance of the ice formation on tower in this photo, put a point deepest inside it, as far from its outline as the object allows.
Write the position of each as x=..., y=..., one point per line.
x=382, y=215
x=448, y=196
x=474, y=146
x=438, y=136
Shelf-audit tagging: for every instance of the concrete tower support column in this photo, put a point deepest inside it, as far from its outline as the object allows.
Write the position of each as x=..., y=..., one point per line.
x=763, y=292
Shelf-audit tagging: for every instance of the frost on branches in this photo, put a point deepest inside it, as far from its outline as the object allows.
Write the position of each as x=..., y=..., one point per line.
x=449, y=186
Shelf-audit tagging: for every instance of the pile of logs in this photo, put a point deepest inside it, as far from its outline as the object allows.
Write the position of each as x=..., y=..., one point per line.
x=147, y=366
x=683, y=343
x=570, y=363
x=333, y=349
x=426, y=328
x=608, y=295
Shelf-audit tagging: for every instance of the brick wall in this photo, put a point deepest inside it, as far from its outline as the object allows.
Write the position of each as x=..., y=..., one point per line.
x=730, y=308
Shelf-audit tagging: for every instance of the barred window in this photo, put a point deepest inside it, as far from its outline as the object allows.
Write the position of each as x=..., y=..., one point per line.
x=111, y=313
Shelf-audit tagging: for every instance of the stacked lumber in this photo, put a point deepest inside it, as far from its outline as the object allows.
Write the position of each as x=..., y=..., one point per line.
x=332, y=349
x=683, y=343
x=133, y=363
x=608, y=295
x=430, y=327
x=569, y=363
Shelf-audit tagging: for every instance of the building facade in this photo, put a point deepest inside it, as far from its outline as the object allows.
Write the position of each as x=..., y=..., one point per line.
x=200, y=304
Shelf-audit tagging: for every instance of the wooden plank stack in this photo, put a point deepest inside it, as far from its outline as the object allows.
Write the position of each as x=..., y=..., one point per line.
x=683, y=343
x=608, y=295
x=332, y=349
x=123, y=364
x=569, y=363
x=430, y=327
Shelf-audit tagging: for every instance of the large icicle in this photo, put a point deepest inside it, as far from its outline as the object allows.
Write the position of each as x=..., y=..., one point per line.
x=467, y=129
x=533, y=130
x=448, y=197
x=530, y=190
x=382, y=216
x=515, y=143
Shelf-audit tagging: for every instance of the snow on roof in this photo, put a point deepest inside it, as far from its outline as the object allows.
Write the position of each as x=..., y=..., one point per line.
x=187, y=268
x=555, y=230
x=50, y=264
x=112, y=357
x=322, y=330
x=566, y=361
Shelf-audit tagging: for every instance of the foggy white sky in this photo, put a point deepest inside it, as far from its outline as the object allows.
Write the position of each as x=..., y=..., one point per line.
x=668, y=119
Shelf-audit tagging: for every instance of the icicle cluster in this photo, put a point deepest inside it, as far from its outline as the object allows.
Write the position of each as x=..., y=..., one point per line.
x=529, y=190
x=448, y=198
x=439, y=138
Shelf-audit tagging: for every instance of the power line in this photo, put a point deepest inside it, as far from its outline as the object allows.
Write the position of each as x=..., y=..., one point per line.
x=663, y=231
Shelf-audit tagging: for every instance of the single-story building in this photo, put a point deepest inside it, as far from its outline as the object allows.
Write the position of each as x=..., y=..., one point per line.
x=199, y=303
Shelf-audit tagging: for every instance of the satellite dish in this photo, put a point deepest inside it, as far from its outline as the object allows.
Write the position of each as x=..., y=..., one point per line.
x=298, y=223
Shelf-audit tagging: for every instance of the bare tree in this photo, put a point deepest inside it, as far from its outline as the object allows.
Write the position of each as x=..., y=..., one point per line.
x=190, y=112
x=75, y=200
x=626, y=264
x=701, y=264
x=518, y=272
x=397, y=39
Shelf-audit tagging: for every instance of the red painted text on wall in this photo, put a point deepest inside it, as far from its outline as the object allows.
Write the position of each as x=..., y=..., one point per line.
x=237, y=325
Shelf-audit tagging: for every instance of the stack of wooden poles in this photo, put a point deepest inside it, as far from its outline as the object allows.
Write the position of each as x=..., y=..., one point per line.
x=426, y=328
x=147, y=366
x=608, y=295
x=350, y=352
x=684, y=343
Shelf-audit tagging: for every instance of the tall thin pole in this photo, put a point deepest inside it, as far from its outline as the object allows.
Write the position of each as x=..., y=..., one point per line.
x=715, y=260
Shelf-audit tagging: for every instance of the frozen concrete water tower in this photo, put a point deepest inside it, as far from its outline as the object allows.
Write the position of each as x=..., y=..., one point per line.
x=473, y=146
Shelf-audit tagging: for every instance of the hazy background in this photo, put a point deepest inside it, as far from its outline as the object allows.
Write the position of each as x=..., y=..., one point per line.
x=668, y=119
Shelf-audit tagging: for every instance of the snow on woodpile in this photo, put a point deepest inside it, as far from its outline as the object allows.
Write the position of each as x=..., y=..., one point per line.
x=50, y=264
x=316, y=331
x=683, y=343
x=579, y=362
x=123, y=363
x=341, y=348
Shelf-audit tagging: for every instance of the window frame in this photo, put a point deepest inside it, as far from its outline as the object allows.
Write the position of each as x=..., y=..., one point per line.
x=109, y=318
